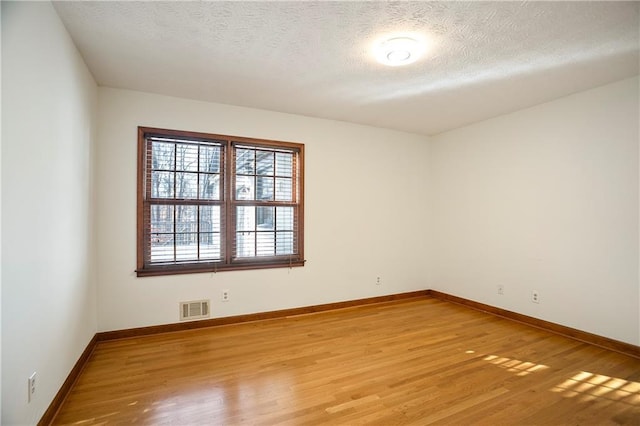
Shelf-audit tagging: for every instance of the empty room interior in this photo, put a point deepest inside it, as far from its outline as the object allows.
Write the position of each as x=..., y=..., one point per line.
x=320, y=213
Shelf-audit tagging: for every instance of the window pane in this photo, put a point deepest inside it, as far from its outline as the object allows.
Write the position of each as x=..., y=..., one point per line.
x=245, y=218
x=187, y=246
x=264, y=188
x=264, y=218
x=284, y=218
x=284, y=164
x=284, y=189
x=284, y=243
x=162, y=185
x=162, y=248
x=209, y=218
x=245, y=188
x=187, y=157
x=245, y=161
x=209, y=187
x=186, y=219
x=265, y=163
x=265, y=244
x=210, y=246
x=210, y=159
x=245, y=244
x=161, y=219
x=186, y=185
x=162, y=157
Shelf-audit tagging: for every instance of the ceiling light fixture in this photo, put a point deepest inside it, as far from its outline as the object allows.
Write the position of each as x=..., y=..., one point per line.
x=399, y=51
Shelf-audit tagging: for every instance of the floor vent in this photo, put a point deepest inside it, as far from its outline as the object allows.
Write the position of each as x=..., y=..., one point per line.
x=194, y=310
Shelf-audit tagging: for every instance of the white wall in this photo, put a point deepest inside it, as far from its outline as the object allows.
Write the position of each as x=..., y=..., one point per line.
x=0, y=222
x=48, y=291
x=544, y=199
x=364, y=213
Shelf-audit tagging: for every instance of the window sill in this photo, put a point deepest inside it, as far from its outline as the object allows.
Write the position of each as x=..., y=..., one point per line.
x=159, y=270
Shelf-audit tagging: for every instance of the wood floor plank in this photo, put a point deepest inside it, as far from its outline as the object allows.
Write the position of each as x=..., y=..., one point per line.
x=419, y=361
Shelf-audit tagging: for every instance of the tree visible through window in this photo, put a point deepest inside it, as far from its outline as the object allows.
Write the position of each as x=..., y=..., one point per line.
x=210, y=202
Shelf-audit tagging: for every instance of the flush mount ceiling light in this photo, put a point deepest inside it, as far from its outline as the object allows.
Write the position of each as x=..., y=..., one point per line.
x=400, y=50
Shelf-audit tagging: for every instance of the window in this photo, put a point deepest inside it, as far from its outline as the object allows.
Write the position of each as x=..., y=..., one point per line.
x=209, y=203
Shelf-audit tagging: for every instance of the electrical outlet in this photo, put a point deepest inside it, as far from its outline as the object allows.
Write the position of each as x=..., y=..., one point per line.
x=378, y=281
x=535, y=296
x=32, y=387
x=225, y=295
x=500, y=289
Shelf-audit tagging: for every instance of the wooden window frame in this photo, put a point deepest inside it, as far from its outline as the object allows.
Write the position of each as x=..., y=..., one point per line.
x=228, y=203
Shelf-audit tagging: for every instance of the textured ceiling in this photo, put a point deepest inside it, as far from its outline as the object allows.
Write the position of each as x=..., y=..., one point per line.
x=314, y=58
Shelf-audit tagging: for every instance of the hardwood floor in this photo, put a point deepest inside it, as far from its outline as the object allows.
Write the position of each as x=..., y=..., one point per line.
x=416, y=361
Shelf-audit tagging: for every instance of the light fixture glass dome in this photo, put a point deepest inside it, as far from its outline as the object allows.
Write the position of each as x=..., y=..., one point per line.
x=397, y=51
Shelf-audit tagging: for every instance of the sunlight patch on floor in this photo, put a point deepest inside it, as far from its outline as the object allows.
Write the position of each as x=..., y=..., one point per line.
x=98, y=420
x=520, y=368
x=589, y=386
